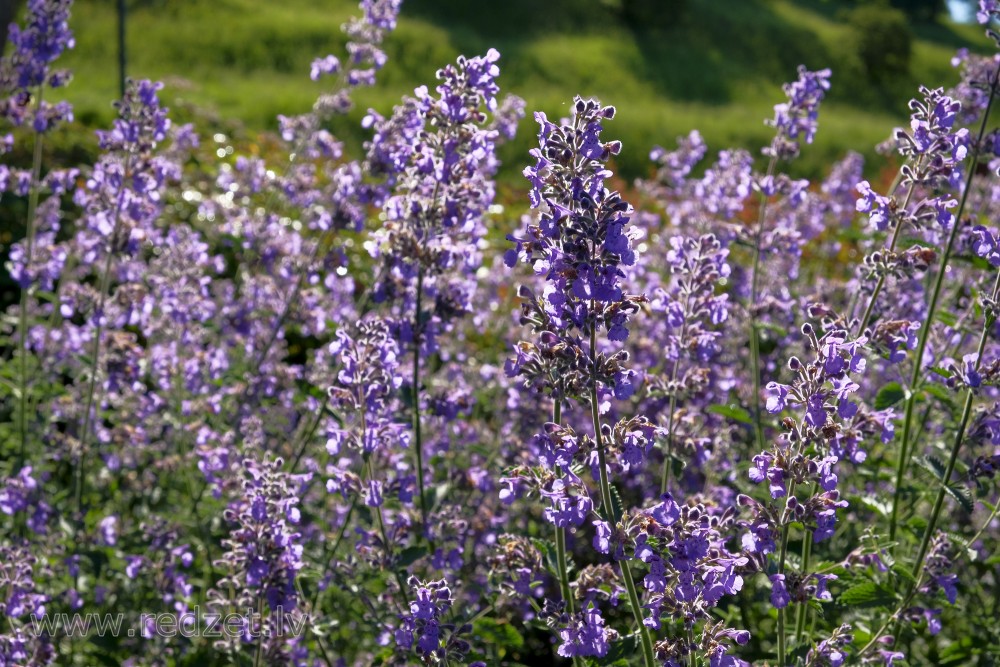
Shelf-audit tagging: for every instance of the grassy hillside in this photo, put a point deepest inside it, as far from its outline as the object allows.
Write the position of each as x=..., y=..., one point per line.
x=717, y=67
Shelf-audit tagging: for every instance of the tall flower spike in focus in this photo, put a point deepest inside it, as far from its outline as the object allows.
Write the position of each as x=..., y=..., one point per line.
x=579, y=243
x=27, y=70
x=438, y=155
x=263, y=556
x=796, y=119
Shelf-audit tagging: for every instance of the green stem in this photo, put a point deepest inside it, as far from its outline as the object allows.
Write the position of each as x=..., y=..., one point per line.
x=907, y=452
x=608, y=507
x=781, y=637
x=956, y=446
x=668, y=453
x=917, y=572
x=754, y=286
x=380, y=522
x=251, y=393
x=986, y=524
x=301, y=449
x=783, y=554
x=417, y=438
x=881, y=279
x=103, y=288
x=29, y=241
x=343, y=528
x=802, y=609
x=260, y=632
x=561, y=560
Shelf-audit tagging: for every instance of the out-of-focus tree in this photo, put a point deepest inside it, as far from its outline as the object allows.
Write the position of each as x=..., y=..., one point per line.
x=650, y=13
x=917, y=10
x=884, y=40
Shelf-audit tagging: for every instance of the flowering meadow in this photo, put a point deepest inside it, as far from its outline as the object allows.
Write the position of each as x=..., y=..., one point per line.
x=332, y=407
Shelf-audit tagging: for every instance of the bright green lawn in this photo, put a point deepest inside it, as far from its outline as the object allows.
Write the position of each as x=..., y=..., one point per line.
x=719, y=68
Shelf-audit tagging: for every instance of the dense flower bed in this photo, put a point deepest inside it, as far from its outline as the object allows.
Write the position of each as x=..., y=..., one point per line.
x=314, y=409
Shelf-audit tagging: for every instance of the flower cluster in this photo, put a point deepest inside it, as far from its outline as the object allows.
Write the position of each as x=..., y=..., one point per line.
x=270, y=379
x=796, y=119
x=690, y=570
x=28, y=68
x=421, y=628
x=263, y=553
x=579, y=243
x=439, y=156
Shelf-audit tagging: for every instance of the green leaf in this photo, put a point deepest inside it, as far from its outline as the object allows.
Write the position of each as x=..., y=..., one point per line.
x=867, y=594
x=903, y=573
x=410, y=555
x=940, y=393
x=880, y=505
x=933, y=465
x=971, y=553
x=962, y=495
x=734, y=412
x=618, y=506
x=619, y=652
x=549, y=557
x=889, y=395
x=947, y=317
x=494, y=633
x=957, y=653
x=440, y=493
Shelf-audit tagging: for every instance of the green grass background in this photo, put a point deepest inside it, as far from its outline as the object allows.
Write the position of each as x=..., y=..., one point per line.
x=718, y=67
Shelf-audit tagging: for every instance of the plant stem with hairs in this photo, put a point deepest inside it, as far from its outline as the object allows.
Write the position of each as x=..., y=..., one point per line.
x=561, y=535
x=103, y=288
x=668, y=453
x=782, y=555
x=906, y=453
x=608, y=506
x=801, y=611
x=881, y=279
x=917, y=571
x=417, y=435
x=29, y=239
x=562, y=562
x=752, y=313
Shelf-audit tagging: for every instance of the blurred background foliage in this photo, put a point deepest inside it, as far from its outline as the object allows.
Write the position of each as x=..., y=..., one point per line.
x=668, y=65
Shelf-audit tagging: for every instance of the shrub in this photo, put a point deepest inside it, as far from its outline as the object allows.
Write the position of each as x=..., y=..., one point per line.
x=883, y=40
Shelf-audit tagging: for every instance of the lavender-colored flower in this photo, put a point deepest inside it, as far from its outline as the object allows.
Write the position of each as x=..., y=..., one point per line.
x=986, y=245
x=779, y=594
x=263, y=552
x=690, y=570
x=23, y=494
x=878, y=208
x=439, y=157
x=421, y=627
x=578, y=244
x=674, y=167
x=830, y=651
x=569, y=179
x=797, y=119
x=324, y=66
x=933, y=145
x=988, y=10
x=35, y=47
x=585, y=635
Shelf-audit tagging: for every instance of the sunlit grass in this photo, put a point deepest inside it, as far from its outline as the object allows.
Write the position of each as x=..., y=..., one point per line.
x=249, y=61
